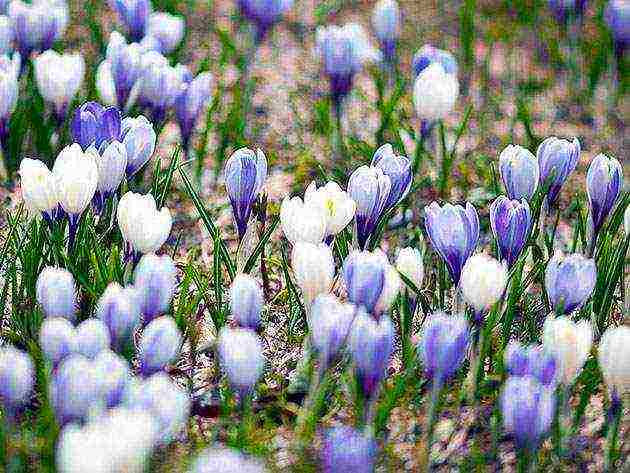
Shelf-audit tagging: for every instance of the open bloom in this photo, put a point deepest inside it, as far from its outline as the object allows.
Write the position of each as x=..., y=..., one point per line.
x=94, y=125
x=191, y=103
x=336, y=205
x=614, y=359
x=155, y=279
x=604, y=181
x=483, y=282
x=398, y=169
x=17, y=378
x=557, y=159
x=167, y=30
x=519, y=172
x=76, y=177
x=301, y=221
x=246, y=301
x=159, y=345
x=241, y=356
x=56, y=292
x=386, y=21
x=570, y=343
x=435, y=92
x=532, y=360
x=55, y=87
x=134, y=14
x=38, y=24
x=569, y=281
x=348, y=450
x=329, y=324
x=39, y=188
x=453, y=232
x=143, y=226
x=264, y=14
x=428, y=54
x=314, y=269
x=511, y=223
x=409, y=264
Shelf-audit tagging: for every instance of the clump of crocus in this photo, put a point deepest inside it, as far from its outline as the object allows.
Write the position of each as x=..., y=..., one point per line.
x=347, y=449
x=246, y=301
x=386, y=21
x=532, y=360
x=604, y=181
x=155, y=279
x=94, y=124
x=159, y=345
x=17, y=378
x=314, y=269
x=240, y=351
x=519, y=172
x=511, y=223
x=569, y=281
x=482, y=283
x=56, y=293
x=557, y=159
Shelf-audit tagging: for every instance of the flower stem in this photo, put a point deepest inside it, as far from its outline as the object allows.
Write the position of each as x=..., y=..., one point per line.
x=431, y=421
x=613, y=432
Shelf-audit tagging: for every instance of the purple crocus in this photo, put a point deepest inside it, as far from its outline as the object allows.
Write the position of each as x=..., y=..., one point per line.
x=604, y=181
x=134, y=14
x=191, y=103
x=398, y=169
x=113, y=376
x=369, y=187
x=519, y=172
x=263, y=14
x=531, y=360
x=453, y=232
x=329, y=324
x=443, y=344
x=155, y=280
x=74, y=390
x=364, y=275
x=528, y=409
x=348, y=450
x=17, y=378
x=37, y=25
x=617, y=15
x=245, y=174
x=94, y=124
x=125, y=61
x=569, y=281
x=557, y=159
x=119, y=308
x=386, y=21
x=159, y=345
x=511, y=222
x=428, y=54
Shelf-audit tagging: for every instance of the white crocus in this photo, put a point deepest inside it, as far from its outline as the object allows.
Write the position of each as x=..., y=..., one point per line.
x=409, y=264
x=111, y=164
x=614, y=359
x=626, y=220
x=142, y=225
x=9, y=87
x=76, y=176
x=166, y=29
x=391, y=284
x=105, y=84
x=314, y=269
x=338, y=207
x=59, y=77
x=483, y=282
x=570, y=343
x=302, y=222
x=39, y=189
x=435, y=92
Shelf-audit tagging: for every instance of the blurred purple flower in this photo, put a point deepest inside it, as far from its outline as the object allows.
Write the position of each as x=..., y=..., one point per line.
x=125, y=62
x=119, y=308
x=155, y=279
x=113, y=376
x=511, y=223
x=91, y=338
x=263, y=14
x=139, y=138
x=386, y=21
x=557, y=159
x=56, y=292
x=17, y=378
x=617, y=16
x=134, y=14
x=159, y=345
x=569, y=281
x=364, y=276
x=533, y=361
x=565, y=9
x=246, y=301
x=94, y=124
x=348, y=450
x=191, y=103
x=329, y=324
x=74, y=390
x=37, y=25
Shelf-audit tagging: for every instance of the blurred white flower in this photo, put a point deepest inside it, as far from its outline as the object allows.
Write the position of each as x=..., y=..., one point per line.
x=570, y=343
x=240, y=351
x=9, y=89
x=614, y=359
x=337, y=206
x=166, y=29
x=58, y=78
x=76, y=176
x=225, y=460
x=105, y=84
x=6, y=34
x=302, y=222
x=142, y=225
x=435, y=92
x=39, y=189
x=391, y=284
x=314, y=269
x=409, y=263
x=483, y=282
x=626, y=220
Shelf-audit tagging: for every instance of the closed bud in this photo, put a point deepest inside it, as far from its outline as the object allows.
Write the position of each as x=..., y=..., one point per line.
x=569, y=281
x=105, y=85
x=329, y=323
x=314, y=269
x=240, y=351
x=111, y=165
x=38, y=24
x=9, y=89
x=76, y=176
x=134, y=14
x=302, y=222
x=614, y=359
x=336, y=205
x=386, y=21
x=93, y=125
x=427, y=55
x=435, y=92
x=398, y=169
x=57, y=339
x=557, y=159
x=159, y=345
x=225, y=460
x=39, y=188
x=409, y=264
x=604, y=181
x=142, y=225
x=483, y=282
x=364, y=276
x=519, y=172
x=191, y=103
x=124, y=67
x=155, y=279
x=533, y=361
x=113, y=376
x=347, y=449
x=511, y=223
x=167, y=30
x=160, y=84
x=263, y=14
x=56, y=293
x=17, y=378
x=246, y=301
x=570, y=344
x=55, y=87
x=119, y=308
x=92, y=337
x=74, y=391
x=139, y=138
x=453, y=232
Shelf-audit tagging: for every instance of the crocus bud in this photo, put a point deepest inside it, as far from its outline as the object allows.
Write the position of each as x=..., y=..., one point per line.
x=398, y=169
x=528, y=410
x=557, y=159
x=59, y=89
x=76, y=176
x=160, y=84
x=119, y=308
x=39, y=188
x=113, y=375
x=483, y=282
x=246, y=301
x=347, y=449
x=93, y=124
x=155, y=279
x=134, y=14
x=302, y=222
x=614, y=359
x=370, y=280
x=336, y=205
x=329, y=323
x=604, y=181
x=191, y=103
x=74, y=390
x=56, y=293
x=511, y=223
x=264, y=14
x=314, y=269
x=443, y=345
x=38, y=24
x=245, y=173
x=92, y=337
x=386, y=21
x=159, y=345
x=17, y=378
x=105, y=85
x=139, y=138
x=57, y=339
x=617, y=16
x=409, y=264
x=226, y=460
x=9, y=90
x=569, y=281
x=125, y=68
x=369, y=187
x=142, y=225
x=428, y=54
x=519, y=172
x=533, y=361
x=111, y=164
x=435, y=92
x=240, y=351
x=570, y=343
x=371, y=343
x=453, y=232
x=167, y=30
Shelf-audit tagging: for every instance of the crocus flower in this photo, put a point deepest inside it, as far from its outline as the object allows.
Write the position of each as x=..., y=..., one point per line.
x=604, y=181
x=57, y=339
x=240, y=351
x=159, y=345
x=336, y=205
x=111, y=164
x=435, y=92
x=569, y=281
x=38, y=24
x=346, y=449
x=483, y=282
x=56, y=293
x=246, y=301
x=369, y=187
x=225, y=460
x=125, y=68
x=155, y=280
x=134, y=14
x=314, y=269
x=398, y=169
x=17, y=378
x=532, y=360
x=329, y=324
x=142, y=225
x=263, y=14
x=557, y=159
x=91, y=338
x=301, y=221
x=160, y=84
x=386, y=21
x=453, y=232
x=7, y=35
x=74, y=390
x=519, y=172
x=94, y=125
x=511, y=223
x=245, y=173
x=570, y=343
x=617, y=16
x=528, y=410
x=113, y=375
x=105, y=85
x=428, y=54
x=614, y=359
x=371, y=343
x=191, y=103
x=443, y=345
x=167, y=30
x=9, y=91
x=409, y=263
x=139, y=138
x=119, y=308
x=39, y=188
x=58, y=88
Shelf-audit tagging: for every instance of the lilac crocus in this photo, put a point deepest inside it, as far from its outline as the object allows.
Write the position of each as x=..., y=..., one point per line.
x=113, y=376
x=57, y=339
x=531, y=360
x=604, y=181
x=159, y=346
x=348, y=450
x=139, y=137
x=119, y=308
x=443, y=345
x=329, y=323
x=17, y=378
x=528, y=410
x=617, y=16
x=428, y=54
x=94, y=124
x=264, y=14
x=241, y=354
x=398, y=169
x=369, y=187
x=569, y=281
x=37, y=25
x=519, y=172
x=134, y=14
x=245, y=173
x=56, y=292
x=246, y=301
x=191, y=103
x=371, y=343
x=155, y=280
x=386, y=21
x=125, y=63
x=74, y=391
x=557, y=159
x=511, y=223
x=364, y=275
x=453, y=232
x=92, y=337
x=160, y=84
